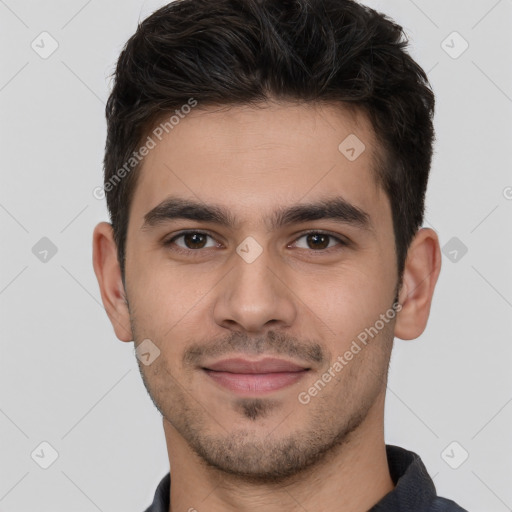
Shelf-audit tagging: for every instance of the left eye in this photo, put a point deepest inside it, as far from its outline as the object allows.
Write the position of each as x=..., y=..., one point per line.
x=319, y=241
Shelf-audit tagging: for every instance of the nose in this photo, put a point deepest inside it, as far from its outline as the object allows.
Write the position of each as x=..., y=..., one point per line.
x=254, y=296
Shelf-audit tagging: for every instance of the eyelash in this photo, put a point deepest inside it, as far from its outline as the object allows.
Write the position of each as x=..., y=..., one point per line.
x=181, y=250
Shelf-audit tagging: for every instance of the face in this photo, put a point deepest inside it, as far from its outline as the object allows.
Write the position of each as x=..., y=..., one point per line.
x=259, y=256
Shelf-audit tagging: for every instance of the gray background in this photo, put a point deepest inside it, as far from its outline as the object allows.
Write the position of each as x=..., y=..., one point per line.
x=66, y=380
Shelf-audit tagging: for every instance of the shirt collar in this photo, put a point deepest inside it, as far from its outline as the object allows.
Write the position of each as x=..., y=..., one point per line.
x=414, y=489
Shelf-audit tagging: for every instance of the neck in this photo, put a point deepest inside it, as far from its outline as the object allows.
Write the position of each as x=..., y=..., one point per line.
x=352, y=478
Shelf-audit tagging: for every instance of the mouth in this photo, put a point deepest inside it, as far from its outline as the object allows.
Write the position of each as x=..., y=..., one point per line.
x=246, y=377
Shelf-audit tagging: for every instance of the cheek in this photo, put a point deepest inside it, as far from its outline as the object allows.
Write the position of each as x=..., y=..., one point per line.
x=350, y=300
x=162, y=293
x=167, y=306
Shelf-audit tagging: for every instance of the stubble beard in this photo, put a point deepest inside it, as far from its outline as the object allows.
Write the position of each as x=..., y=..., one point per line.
x=247, y=455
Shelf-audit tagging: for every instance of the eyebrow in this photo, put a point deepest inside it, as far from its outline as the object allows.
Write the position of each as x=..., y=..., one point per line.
x=335, y=209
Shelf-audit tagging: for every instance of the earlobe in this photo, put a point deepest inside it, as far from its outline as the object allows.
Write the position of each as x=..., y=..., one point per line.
x=108, y=274
x=421, y=271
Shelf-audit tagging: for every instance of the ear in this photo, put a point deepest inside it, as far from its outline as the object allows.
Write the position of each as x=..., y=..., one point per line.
x=108, y=274
x=422, y=267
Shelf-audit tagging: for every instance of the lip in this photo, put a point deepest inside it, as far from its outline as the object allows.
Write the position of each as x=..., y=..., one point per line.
x=267, y=365
x=246, y=377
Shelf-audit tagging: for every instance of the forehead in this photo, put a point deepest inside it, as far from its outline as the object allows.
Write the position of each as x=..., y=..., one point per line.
x=252, y=159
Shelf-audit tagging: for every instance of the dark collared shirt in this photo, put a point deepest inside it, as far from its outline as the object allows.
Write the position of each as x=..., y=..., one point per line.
x=414, y=490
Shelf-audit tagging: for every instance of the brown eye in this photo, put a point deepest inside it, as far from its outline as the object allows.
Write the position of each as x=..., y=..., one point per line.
x=194, y=240
x=191, y=241
x=318, y=241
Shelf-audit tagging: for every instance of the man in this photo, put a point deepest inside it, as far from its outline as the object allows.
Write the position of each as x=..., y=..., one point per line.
x=265, y=172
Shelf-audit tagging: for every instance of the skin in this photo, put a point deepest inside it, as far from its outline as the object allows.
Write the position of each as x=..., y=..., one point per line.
x=301, y=299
